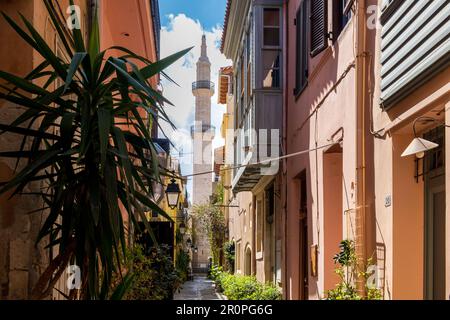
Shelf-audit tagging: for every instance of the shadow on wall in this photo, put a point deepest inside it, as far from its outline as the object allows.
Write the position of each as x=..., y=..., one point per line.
x=6, y=205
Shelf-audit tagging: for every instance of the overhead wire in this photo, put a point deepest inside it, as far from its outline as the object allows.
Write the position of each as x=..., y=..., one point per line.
x=263, y=162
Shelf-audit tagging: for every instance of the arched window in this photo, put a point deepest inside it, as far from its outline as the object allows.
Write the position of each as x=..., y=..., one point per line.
x=248, y=261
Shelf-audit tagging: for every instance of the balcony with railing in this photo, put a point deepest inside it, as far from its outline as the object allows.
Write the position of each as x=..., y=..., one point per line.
x=203, y=84
x=203, y=129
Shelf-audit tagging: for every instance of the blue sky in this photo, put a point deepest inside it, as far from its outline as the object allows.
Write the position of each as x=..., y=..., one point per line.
x=183, y=24
x=209, y=12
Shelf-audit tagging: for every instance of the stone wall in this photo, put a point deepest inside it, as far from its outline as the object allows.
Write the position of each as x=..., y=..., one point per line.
x=21, y=260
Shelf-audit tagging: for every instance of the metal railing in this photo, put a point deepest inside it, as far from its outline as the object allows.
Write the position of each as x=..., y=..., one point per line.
x=203, y=85
x=204, y=128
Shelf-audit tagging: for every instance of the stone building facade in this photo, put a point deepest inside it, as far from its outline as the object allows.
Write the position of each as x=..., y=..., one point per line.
x=21, y=262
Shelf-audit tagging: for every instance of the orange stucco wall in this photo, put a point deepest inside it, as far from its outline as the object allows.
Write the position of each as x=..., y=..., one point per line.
x=400, y=233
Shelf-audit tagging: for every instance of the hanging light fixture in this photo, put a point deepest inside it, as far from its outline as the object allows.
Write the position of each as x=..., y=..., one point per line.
x=173, y=194
x=419, y=146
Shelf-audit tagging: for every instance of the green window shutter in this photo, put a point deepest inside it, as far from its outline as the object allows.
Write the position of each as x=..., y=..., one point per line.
x=302, y=55
x=319, y=26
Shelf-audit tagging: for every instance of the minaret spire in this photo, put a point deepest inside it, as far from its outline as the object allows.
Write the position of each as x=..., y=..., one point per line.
x=204, y=47
x=204, y=50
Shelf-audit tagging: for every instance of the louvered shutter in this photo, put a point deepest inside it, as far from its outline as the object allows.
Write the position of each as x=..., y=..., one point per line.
x=302, y=49
x=319, y=26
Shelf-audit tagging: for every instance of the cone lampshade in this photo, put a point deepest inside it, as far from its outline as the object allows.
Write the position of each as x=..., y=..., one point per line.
x=419, y=146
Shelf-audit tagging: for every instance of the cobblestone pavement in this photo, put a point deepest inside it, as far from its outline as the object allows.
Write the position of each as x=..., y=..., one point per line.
x=200, y=288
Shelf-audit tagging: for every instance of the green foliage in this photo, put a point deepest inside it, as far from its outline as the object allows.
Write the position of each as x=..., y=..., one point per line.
x=348, y=271
x=346, y=257
x=182, y=264
x=215, y=272
x=374, y=294
x=343, y=291
x=123, y=287
x=87, y=145
x=218, y=195
x=178, y=237
x=155, y=277
x=212, y=219
x=238, y=287
x=230, y=255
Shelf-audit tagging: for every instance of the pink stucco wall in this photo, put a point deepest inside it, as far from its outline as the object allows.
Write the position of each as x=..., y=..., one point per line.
x=306, y=130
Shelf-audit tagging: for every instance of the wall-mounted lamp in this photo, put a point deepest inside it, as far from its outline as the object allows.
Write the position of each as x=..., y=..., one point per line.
x=419, y=146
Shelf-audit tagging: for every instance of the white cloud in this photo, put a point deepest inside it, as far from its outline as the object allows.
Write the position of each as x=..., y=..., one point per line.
x=183, y=32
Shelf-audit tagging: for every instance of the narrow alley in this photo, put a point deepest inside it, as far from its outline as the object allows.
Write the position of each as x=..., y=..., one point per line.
x=201, y=288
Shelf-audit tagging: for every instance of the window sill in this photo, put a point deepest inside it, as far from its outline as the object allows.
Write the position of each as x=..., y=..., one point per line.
x=298, y=92
x=338, y=40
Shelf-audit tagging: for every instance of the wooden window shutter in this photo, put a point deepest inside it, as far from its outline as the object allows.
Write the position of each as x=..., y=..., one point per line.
x=302, y=49
x=319, y=26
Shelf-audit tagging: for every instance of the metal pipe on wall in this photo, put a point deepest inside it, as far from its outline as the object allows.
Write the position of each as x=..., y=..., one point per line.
x=361, y=101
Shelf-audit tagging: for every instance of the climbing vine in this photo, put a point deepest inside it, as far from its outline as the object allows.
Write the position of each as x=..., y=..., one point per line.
x=212, y=219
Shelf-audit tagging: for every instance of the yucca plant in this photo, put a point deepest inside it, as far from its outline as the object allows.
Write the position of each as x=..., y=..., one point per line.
x=87, y=144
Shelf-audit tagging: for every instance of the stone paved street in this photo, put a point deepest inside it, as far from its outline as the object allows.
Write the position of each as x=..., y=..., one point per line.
x=200, y=288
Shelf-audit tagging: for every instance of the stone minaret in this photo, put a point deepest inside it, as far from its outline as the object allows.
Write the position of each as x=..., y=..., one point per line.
x=202, y=134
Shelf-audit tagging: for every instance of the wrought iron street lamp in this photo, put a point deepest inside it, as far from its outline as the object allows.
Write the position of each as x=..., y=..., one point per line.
x=173, y=194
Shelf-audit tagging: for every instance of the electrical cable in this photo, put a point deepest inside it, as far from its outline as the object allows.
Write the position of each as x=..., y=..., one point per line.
x=267, y=161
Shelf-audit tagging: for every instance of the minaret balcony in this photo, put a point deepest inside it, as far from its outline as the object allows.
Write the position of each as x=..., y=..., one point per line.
x=205, y=130
x=203, y=84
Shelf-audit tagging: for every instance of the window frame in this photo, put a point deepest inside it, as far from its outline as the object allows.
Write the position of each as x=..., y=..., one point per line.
x=267, y=48
x=259, y=228
x=341, y=12
x=263, y=45
x=302, y=50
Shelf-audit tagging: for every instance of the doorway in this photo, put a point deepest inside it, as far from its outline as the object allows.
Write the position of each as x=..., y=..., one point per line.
x=163, y=233
x=332, y=212
x=435, y=252
x=303, y=238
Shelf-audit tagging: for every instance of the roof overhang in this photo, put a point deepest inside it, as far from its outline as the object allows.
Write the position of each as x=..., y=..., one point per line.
x=237, y=11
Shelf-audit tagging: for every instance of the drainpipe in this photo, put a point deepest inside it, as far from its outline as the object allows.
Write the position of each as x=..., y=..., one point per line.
x=284, y=218
x=361, y=102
